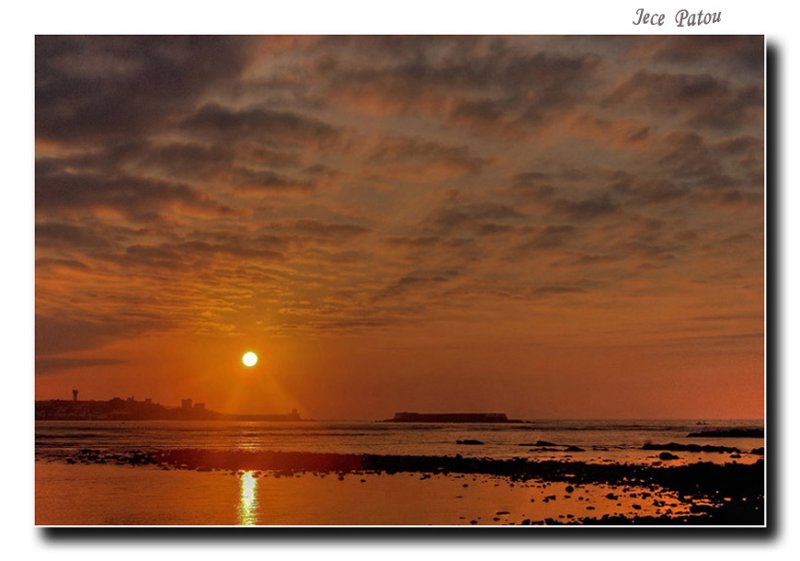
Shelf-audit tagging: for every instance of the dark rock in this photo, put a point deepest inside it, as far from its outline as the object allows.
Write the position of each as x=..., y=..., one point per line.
x=675, y=447
x=729, y=433
x=573, y=449
x=469, y=442
x=667, y=456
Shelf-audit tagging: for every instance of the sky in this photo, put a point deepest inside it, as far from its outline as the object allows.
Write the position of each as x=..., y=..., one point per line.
x=551, y=227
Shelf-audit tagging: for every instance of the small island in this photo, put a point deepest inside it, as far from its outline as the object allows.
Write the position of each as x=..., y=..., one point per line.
x=406, y=417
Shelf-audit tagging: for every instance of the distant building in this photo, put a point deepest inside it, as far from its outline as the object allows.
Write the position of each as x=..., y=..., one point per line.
x=148, y=400
x=186, y=403
x=200, y=406
x=74, y=394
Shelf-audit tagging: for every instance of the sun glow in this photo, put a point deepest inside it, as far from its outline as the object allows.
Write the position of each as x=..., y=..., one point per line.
x=249, y=359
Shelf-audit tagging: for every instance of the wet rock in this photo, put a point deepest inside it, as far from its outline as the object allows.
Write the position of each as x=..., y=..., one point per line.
x=469, y=442
x=729, y=433
x=676, y=447
x=667, y=456
x=573, y=449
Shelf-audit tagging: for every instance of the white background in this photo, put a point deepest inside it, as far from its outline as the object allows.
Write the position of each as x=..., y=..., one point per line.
x=22, y=20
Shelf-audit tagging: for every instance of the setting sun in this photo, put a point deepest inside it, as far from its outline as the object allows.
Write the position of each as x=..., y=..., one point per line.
x=249, y=359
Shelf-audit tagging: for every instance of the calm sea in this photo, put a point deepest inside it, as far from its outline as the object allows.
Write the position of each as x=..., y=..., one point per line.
x=599, y=440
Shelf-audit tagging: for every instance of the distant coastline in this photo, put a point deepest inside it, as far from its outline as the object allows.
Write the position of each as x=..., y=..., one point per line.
x=129, y=409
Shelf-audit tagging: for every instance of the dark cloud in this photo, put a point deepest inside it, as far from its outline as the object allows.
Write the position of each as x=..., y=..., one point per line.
x=327, y=230
x=55, y=235
x=638, y=191
x=73, y=264
x=504, y=90
x=548, y=290
x=190, y=160
x=548, y=237
x=415, y=281
x=100, y=87
x=739, y=53
x=584, y=259
x=190, y=254
x=265, y=126
x=702, y=99
x=58, y=188
x=266, y=181
x=405, y=150
x=452, y=216
x=585, y=209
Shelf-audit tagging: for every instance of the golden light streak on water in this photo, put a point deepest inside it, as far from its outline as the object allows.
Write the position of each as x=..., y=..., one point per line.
x=248, y=499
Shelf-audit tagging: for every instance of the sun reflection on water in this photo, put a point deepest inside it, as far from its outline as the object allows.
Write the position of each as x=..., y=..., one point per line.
x=248, y=500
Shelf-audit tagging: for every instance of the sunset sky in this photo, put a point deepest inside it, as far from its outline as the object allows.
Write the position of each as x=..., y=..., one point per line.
x=545, y=226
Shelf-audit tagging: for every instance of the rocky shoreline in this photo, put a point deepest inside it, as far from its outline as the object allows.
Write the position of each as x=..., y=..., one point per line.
x=730, y=493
